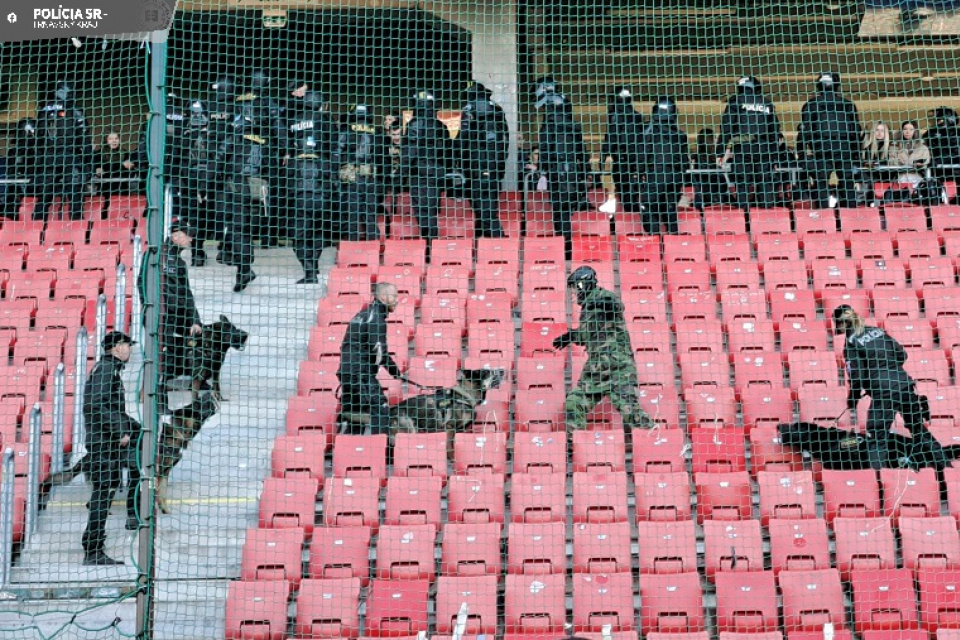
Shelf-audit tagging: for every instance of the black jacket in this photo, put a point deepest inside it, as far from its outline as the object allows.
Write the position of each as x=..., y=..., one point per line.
x=319, y=124
x=266, y=114
x=748, y=118
x=829, y=123
x=875, y=364
x=241, y=155
x=105, y=411
x=562, y=150
x=364, y=348
x=198, y=155
x=483, y=141
x=62, y=136
x=944, y=144
x=622, y=140
x=22, y=155
x=664, y=154
x=305, y=175
x=426, y=147
x=179, y=309
x=362, y=145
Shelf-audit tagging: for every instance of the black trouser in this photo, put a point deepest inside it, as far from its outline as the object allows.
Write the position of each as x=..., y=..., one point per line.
x=363, y=394
x=236, y=210
x=883, y=411
x=308, y=241
x=104, y=471
x=752, y=168
x=173, y=351
x=821, y=166
x=66, y=181
x=12, y=199
x=710, y=190
x=566, y=196
x=628, y=190
x=661, y=200
x=484, y=193
x=361, y=203
x=425, y=201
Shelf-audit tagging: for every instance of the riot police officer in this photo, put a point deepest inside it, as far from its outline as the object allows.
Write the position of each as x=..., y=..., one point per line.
x=563, y=159
x=621, y=144
x=829, y=137
x=482, y=149
x=179, y=317
x=240, y=161
x=749, y=134
x=307, y=116
x=197, y=183
x=424, y=155
x=664, y=157
x=305, y=180
x=874, y=362
x=21, y=165
x=361, y=163
x=222, y=106
x=943, y=140
x=65, y=153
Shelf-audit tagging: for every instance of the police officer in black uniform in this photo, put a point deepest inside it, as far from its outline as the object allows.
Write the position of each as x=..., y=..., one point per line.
x=943, y=140
x=179, y=318
x=749, y=133
x=874, y=363
x=621, y=144
x=21, y=165
x=65, y=154
x=222, y=106
x=239, y=162
x=424, y=155
x=563, y=159
x=829, y=137
x=197, y=172
x=307, y=117
x=112, y=439
x=361, y=160
x=305, y=179
x=363, y=352
x=664, y=157
x=482, y=146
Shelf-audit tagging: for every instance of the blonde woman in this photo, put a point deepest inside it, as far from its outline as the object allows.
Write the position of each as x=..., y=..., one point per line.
x=876, y=148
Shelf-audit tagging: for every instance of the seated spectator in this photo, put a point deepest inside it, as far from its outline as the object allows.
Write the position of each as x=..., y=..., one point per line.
x=113, y=162
x=876, y=147
x=910, y=151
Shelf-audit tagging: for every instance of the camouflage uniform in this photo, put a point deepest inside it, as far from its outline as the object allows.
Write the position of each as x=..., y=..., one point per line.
x=610, y=369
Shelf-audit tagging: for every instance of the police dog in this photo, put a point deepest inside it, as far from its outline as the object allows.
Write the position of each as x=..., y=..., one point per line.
x=175, y=436
x=209, y=350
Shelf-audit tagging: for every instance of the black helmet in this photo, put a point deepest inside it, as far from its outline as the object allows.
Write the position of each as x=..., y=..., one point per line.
x=546, y=87
x=552, y=102
x=829, y=81
x=425, y=101
x=478, y=107
x=313, y=100
x=748, y=84
x=198, y=113
x=224, y=86
x=841, y=317
x=583, y=280
x=948, y=115
x=476, y=90
x=307, y=145
x=259, y=79
x=621, y=100
x=63, y=91
x=361, y=112
x=664, y=110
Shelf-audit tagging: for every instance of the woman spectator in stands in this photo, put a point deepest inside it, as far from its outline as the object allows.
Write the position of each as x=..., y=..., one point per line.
x=709, y=188
x=910, y=151
x=112, y=162
x=876, y=148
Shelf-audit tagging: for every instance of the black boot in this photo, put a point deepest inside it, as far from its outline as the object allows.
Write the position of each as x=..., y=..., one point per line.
x=99, y=559
x=309, y=278
x=243, y=280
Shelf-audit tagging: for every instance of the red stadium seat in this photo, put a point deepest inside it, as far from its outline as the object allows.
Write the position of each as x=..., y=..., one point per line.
x=671, y=603
x=397, y=608
x=35, y=286
x=360, y=456
x=726, y=221
x=775, y=248
x=712, y=407
x=363, y=254
x=827, y=407
x=942, y=302
x=799, y=545
x=662, y=404
x=337, y=552
x=351, y=502
x=272, y=554
x=658, y=450
x=412, y=500
x=723, y=496
x=732, y=546
x=633, y=249
x=910, y=493
x=326, y=341
x=644, y=307
x=444, y=280
x=56, y=259
x=684, y=249
x=536, y=339
x=772, y=221
x=405, y=552
x=470, y=549
x=787, y=495
x=480, y=595
x=539, y=410
x=598, y=451
x=861, y=220
x=315, y=413
x=544, y=307
x=538, y=497
x=761, y=407
x=21, y=233
x=473, y=499
x=406, y=279
x=883, y=274
x=66, y=232
x=257, y=610
x=902, y=218
x=601, y=547
x=498, y=251
x=895, y=304
x=536, y=548
x=699, y=335
x=872, y=247
x=328, y=608
x=662, y=496
x=543, y=250
x=753, y=370
x=812, y=370
x=728, y=248
x=703, y=369
x=299, y=456
x=920, y=245
x=592, y=248
x=803, y=335
x=863, y=543
x=929, y=542
x=850, y=494
x=811, y=599
x=420, y=454
x=288, y=503
x=819, y=246
x=750, y=335
x=446, y=253
x=939, y=594
x=599, y=497
x=743, y=306
x=337, y=311
x=534, y=604
x=718, y=450
x=409, y=253
x=945, y=218
x=497, y=279
x=911, y=334
x=685, y=278
x=930, y=273
x=928, y=366
x=113, y=232
x=833, y=274
x=603, y=599
x=438, y=341
x=944, y=409
x=792, y=306
x=489, y=309
x=746, y=602
x=642, y=277
x=667, y=546
x=694, y=306
x=815, y=221
x=350, y=283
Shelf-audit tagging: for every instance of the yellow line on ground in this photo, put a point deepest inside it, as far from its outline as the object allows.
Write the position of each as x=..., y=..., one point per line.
x=170, y=501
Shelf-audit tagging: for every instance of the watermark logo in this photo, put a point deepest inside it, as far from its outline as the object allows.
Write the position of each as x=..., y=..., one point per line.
x=11, y=18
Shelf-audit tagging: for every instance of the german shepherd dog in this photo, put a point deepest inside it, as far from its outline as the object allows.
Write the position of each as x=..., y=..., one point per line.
x=209, y=350
x=175, y=436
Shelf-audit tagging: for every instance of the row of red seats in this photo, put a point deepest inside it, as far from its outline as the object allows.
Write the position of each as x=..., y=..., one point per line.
x=119, y=207
x=74, y=233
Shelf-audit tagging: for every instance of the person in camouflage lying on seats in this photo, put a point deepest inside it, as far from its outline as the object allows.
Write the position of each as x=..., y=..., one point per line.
x=610, y=369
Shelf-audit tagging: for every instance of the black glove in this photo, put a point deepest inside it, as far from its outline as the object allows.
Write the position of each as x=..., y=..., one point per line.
x=562, y=341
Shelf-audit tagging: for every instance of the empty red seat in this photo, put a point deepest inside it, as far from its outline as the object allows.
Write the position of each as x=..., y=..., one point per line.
x=817, y=370
x=884, y=599
x=827, y=407
x=869, y=248
x=687, y=277
x=704, y=369
x=314, y=413
x=404, y=253
x=939, y=592
x=661, y=403
x=470, y=549
x=446, y=253
x=592, y=248
x=667, y=546
x=477, y=453
x=299, y=456
x=647, y=336
x=658, y=450
x=911, y=334
x=723, y=496
x=420, y=454
x=662, y=496
x=775, y=220
x=438, y=341
x=792, y=306
x=787, y=495
x=765, y=407
x=351, y=502
x=536, y=338
x=684, y=248
x=711, y=407
x=776, y=248
x=883, y=274
x=272, y=554
x=413, y=500
x=833, y=274
x=538, y=497
x=918, y=245
x=700, y=335
x=863, y=543
x=644, y=306
x=860, y=220
x=497, y=279
x=928, y=366
x=830, y=246
x=328, y=608
x=932, y=272
x=257, y=609
x=945, y=217
x=338, y=552
x=671, y=603
x=732, y=546
x=945, y=302
x=746, y=602
x=904, y=218
x=288, y=503
x=850, y=494
x=634, y=248
x=599, y=497
x=405, y=552
x=888, y=303
x=728, y=248
x=534, y=604
x=724, y=221
x=811, y=599
x=536, y=548
x=603, y=599
x=498, y=251
x=784, y=275
x=397, y=608
x=539, y=410
x=815, y=221
x=930, y=542
x=360, y=456
x=480, y=595
x=910, y=493
x=799, y=545
x=599, y=450
x=601, y=547
x=477, y=498
x=751, y=335
x=757, y=370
